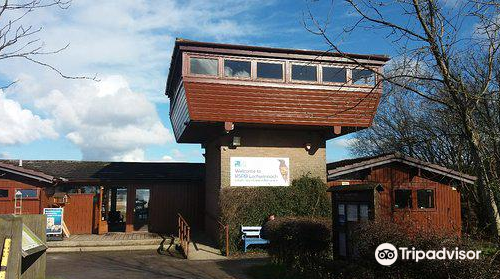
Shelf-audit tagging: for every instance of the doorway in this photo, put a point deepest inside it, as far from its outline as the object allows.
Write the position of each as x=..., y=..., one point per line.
x=117, y=204
x=141, y=209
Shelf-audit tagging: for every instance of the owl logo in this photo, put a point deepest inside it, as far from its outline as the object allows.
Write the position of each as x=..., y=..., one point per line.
x=283, y=170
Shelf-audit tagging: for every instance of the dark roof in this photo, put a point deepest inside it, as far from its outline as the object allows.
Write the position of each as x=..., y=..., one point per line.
x=343, y=167
x=355, y=187
x=105, y=171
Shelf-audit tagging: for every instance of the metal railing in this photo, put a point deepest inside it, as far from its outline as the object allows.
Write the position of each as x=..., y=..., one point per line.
x=184, y=234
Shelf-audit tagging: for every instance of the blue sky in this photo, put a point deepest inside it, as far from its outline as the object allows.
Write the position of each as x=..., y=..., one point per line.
x=128, y=45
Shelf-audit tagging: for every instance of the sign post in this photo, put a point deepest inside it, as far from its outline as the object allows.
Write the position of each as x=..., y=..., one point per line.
x=54, y=228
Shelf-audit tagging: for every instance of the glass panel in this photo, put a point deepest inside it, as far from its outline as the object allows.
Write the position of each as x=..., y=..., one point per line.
x=363, y=77
x=352, y=212
x=269, y=70
x=333, y=74
x=363, y=212
x=402, y=198
x=234, y=68
x=204, y=66
x=303, y=72
x=141, y=209
x=29, y=193
x=341, y=213
x=425, y=198
x=4, y=193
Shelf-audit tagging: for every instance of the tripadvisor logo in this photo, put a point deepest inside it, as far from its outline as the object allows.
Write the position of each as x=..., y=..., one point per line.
x=387, y=254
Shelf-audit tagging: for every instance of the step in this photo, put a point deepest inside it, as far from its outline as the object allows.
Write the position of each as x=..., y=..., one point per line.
x=106, y=243
x=101, y=248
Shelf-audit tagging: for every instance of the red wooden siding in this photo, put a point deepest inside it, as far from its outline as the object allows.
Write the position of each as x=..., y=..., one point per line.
x=166, y=201
x=179, y=114
x=78, y=213
x=29, y=206
x=271, y=105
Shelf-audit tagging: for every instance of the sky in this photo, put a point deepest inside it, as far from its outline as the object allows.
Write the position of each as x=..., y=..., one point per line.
x=127, y=45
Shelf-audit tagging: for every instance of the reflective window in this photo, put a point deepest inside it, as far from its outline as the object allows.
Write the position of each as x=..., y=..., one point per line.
x=4, y=193
x=425, y=198
x=352, y=212
x=363, y=212
x=334, y=74
x=204, y=66
x=235, y=68
x=304, y=72
x=402, y=198
x=341, y=213
x=363, y=77
x=29, y=193
x=269, y=70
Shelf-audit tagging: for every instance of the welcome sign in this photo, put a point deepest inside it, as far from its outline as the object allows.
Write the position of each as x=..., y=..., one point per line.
x=260, y=171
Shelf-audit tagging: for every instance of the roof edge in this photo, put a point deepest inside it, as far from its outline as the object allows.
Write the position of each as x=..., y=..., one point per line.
x=40, y=176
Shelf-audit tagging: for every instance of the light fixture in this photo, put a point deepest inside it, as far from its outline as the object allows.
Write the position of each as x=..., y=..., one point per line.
x=236, y=141
x=308, y=146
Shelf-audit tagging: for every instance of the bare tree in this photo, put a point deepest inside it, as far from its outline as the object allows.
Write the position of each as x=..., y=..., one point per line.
x=438, y=61
x=21, y=41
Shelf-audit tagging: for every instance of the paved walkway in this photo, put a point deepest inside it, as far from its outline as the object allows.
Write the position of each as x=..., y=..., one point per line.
x=141, y=264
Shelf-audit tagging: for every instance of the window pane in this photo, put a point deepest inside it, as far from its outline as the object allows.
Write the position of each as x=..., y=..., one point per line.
x=341, y=213
x=402, y=199
x=269, y=70
x=29, y=193
x=333, y=74
x=4, y=193
x=303, y=72
x=204, y=66
x=352, y=212
x=425, y=198
x=363, y=77
x=233, y=68
x=363, y=212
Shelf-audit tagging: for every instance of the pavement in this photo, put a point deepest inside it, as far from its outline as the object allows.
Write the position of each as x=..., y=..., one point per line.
x=143, y=264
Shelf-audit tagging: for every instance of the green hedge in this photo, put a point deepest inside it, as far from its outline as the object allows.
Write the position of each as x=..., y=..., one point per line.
x=250, y=206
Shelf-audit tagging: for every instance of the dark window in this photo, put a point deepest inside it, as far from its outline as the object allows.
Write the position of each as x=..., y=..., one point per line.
x=402, y=198
x=204, y=66
x=234, y=68
x=363, y=77
x=28, y=193
x=269, y=70
x=4, y=193
x=333, y=74
x=425, y=198
x=303, y=72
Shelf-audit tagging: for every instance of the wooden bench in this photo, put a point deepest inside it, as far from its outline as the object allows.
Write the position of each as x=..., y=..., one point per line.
x=251, y=235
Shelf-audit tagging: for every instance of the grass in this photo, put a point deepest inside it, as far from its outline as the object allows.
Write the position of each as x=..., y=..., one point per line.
x=270, y=271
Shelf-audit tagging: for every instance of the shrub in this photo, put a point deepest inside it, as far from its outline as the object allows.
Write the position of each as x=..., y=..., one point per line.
x=250, y=206
x=300, y=243
x=368, y=236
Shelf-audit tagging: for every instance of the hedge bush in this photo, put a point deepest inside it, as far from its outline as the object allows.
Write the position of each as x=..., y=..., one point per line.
x=306, y=196
x=368, y=236
x=300, y=244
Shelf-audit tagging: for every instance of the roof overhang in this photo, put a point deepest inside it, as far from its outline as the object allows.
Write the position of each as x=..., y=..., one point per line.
x=36, y=175
x=370, y=163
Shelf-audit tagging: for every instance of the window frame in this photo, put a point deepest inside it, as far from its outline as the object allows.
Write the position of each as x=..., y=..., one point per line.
x=251, y=77
x=28, y=198
x=434, y=208
x=283, y=70
x=208, y=57
x=347, y=76
x=318, y=77
x=375, y=81
x=9, y=193
x=411, y=207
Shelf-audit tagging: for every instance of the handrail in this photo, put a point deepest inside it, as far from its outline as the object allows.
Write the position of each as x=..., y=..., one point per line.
x=226, y=232
x=184, y=234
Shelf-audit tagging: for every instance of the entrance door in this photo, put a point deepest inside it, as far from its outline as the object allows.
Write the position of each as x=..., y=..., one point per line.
x=141, y=216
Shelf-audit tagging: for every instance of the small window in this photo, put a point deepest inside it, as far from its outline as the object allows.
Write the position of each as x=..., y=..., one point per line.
x=28, y=193
x=204, y=66
x=402, y=198
x=363, y=77
x=425, y=198
x=334, y=74
x=304, y=73
x=352, y=212
x=269, y=70
x=363, y=212
x=4, y=193
x=341, y=213
x=234, y=68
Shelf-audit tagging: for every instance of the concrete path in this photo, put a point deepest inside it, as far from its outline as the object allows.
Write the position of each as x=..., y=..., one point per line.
x=141, y=264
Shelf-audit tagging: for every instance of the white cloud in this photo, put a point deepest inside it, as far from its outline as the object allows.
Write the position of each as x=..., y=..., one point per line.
x=20, y=125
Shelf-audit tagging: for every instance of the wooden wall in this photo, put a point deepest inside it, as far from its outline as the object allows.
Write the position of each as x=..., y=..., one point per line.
x=29, y=206
x=78, y=213
x=445, y=217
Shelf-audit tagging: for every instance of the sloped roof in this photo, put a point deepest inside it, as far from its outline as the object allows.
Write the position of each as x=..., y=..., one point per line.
x=343, y=167
x=105, y=171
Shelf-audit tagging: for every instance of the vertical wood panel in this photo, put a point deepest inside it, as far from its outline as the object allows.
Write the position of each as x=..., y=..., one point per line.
x=78, y=213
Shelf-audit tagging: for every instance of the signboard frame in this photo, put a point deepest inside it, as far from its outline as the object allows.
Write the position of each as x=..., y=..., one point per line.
x=259, y=171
